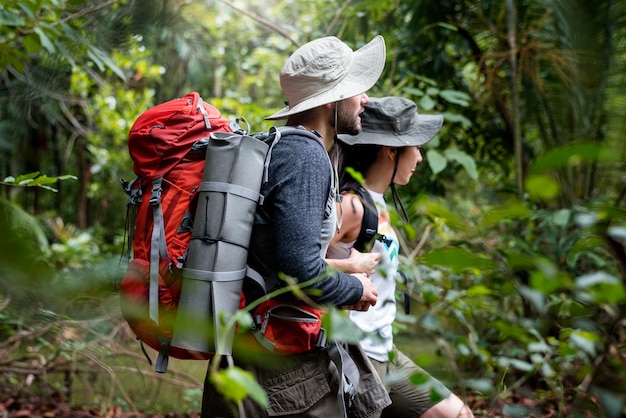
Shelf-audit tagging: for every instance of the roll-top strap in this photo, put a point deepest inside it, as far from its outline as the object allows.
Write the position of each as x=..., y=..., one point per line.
x=214, y=276
x=214, y=186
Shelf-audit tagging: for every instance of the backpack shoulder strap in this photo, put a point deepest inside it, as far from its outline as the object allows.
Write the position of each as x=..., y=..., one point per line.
x=369, y=224
x=274, y=135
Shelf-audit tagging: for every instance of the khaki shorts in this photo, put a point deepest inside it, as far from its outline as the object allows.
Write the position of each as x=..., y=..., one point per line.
x=407, y=399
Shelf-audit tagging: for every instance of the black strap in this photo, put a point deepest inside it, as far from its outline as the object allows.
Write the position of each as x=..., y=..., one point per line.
x=407, y=295
x=163, y=357
x=369, y=224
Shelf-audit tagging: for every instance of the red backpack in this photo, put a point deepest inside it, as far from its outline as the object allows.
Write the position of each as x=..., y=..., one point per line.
x=165, y=146
x=168, y=144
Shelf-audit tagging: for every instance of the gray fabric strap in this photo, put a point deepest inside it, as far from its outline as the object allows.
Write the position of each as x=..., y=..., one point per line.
x=256, y=276
x=348, y=376
x=214, y=276
x=158, y=249
x=214, y=186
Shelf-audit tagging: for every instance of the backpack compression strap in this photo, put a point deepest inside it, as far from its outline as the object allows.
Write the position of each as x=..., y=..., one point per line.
x=158, y=248
x=369, y=224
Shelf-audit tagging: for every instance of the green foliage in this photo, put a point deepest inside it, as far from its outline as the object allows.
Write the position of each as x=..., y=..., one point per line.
x=517, y=288
x=237, y=384
x=35, y=179
x=32, y=27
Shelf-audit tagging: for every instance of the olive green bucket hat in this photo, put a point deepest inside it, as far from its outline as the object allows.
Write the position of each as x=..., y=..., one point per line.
x=394, y=122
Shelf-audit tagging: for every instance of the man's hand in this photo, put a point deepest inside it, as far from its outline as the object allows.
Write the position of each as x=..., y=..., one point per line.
x=369, y=296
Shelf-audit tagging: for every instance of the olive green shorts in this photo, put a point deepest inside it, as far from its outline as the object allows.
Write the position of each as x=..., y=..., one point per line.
x=408, y=399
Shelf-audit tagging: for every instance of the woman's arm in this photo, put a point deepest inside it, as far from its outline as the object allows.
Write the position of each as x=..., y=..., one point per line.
x=350, y=212
x=357, y=262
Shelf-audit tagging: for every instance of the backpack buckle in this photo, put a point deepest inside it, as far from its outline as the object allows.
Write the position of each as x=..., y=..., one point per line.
x=155, y=197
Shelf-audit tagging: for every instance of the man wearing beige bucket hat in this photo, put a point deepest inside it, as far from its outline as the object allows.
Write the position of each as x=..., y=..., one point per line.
x=386, y=152
x=325, y=84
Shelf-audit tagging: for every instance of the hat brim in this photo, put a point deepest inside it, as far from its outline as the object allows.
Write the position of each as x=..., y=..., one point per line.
x=368, y=65
x=423, y=131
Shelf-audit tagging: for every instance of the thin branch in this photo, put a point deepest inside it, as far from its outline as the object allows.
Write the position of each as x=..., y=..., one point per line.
x=263, y=22
x=332, y=24
x=421, y=243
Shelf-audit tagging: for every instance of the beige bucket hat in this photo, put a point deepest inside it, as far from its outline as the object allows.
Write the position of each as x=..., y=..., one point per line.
x=394, y=122
x=327, y=70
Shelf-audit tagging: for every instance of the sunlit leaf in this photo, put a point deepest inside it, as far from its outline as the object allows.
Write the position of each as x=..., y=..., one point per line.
x=27, y=176
x=549, y=284
x=584, y=340
x=237, y=384
x=419, y=378
x=456, y=259
x=541, y=187
x=32, y=44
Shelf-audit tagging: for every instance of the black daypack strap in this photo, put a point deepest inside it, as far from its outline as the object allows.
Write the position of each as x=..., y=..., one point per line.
x=369, y=224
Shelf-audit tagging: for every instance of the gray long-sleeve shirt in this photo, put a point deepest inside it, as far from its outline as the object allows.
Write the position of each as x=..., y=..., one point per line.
x=287, y=233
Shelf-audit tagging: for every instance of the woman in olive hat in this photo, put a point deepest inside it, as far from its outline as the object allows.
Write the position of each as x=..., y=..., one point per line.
x=386, y=152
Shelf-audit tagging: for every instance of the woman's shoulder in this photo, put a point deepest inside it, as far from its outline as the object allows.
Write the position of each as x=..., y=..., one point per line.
x=351, y=216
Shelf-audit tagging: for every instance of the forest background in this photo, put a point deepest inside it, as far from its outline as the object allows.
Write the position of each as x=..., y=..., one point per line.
x=516, y=248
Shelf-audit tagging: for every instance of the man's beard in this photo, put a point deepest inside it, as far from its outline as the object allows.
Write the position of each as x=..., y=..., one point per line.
x=347, y=123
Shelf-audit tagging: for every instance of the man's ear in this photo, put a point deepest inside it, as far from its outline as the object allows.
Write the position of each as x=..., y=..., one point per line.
x=330, y=106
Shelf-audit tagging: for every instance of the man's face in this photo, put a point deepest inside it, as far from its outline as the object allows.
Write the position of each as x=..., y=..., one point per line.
x=348, y=111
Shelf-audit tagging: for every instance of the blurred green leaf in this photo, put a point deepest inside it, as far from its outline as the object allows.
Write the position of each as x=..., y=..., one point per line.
x=571, y=155
x=507, y=211
x=467, y=161
x=617, y=232
x=456, y=97
x=237, y=384
x=541, y=187
x=536, y=299
x=480, y=385
x=612, y=402
x=456, y=259
x=436, y=161
x=442, y=214
x=593, y=279
x=45, y=41
x=426, y=103
x=339, y=326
